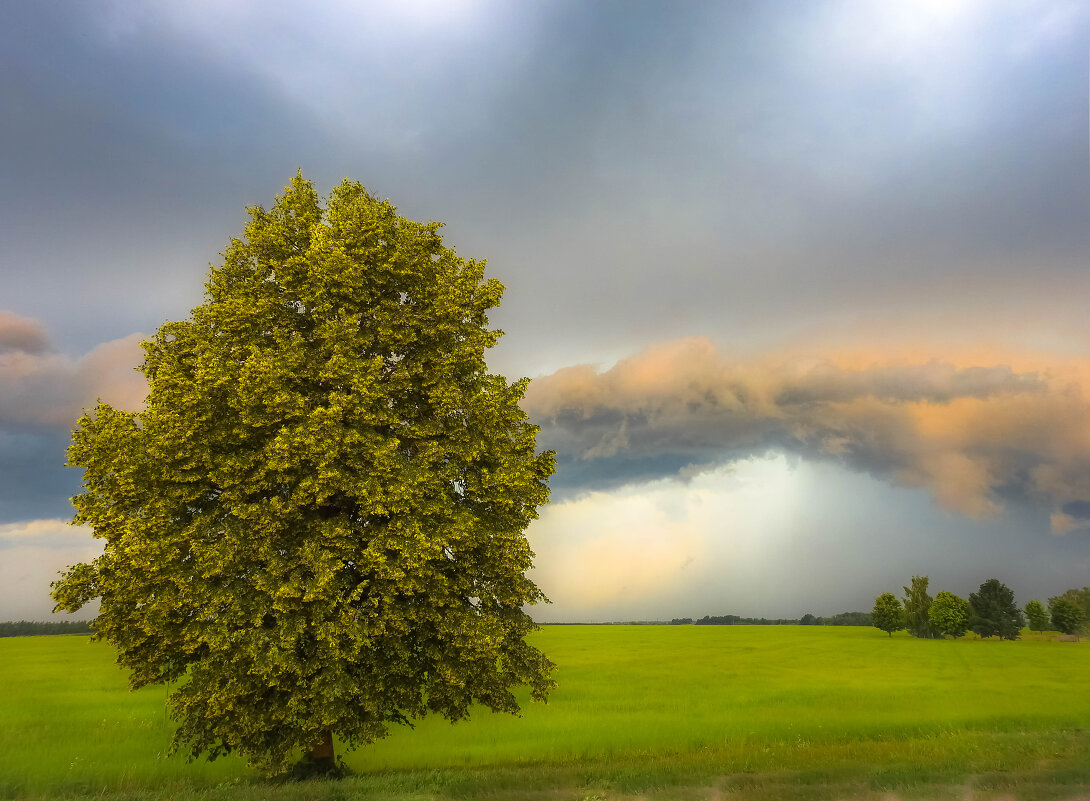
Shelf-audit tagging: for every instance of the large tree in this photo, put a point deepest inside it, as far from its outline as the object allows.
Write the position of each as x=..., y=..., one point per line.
x=995, y=614
x=888, y=615
x=917, y=604
x=316, y=524
x=949, y=614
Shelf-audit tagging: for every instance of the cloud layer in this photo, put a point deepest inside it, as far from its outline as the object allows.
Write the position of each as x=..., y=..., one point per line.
x=58, y=534
x=635, y=173
x=42, y=394
x=41, y=388
x=973, y=434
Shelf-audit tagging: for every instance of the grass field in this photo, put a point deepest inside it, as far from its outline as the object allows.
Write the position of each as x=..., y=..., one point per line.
x=746, y=712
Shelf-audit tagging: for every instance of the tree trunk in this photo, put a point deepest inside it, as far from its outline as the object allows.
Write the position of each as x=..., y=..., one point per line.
x=321, y=755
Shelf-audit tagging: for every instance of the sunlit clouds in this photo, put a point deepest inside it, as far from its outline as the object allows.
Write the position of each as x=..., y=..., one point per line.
x=21, y=335
x=58, y=534
x=777, y=536
x=974, y=435
x=40, y=387
x=600, y=551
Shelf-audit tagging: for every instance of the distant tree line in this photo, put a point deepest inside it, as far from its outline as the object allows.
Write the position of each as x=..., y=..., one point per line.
x=841, y=619
x=989, y=612
x=735, y=620
x=32, y=628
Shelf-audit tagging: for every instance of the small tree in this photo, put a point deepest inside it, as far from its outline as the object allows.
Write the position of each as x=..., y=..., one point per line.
x=917, y=604
x=1037, y=616
x=1067, y=616
x=887, y=614
x=995, y=613
x=316, y=524
x=949, y=614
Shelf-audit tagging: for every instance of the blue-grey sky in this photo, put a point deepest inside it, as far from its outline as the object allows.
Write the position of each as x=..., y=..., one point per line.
x=802, y=285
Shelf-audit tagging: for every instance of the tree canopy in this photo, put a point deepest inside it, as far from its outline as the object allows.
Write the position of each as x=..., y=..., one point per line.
x=1037, y=616
x=1067, y=616
x=949, y=614
x=888, y=615
x=917, y=604
x=1080, y=598
x=316, y=524
x=995, y=613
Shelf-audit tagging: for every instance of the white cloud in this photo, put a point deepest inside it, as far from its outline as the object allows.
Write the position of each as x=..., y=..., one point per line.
x=34, y=553
x=44, y=533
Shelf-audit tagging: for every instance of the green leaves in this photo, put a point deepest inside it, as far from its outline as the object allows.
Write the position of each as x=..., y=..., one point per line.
x=917, y=604
x=949, y=615
x=888, y=614
x=1037, y=616
x=318, y=518
x=1067, y=616
x=994, y=612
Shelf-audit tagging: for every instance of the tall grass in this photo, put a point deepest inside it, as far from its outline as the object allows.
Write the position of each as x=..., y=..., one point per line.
x=637, y=708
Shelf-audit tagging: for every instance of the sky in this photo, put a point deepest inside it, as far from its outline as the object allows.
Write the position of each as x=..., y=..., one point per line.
x=801, y=286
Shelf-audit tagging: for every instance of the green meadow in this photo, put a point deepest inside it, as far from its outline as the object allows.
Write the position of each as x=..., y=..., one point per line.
x=725, y=712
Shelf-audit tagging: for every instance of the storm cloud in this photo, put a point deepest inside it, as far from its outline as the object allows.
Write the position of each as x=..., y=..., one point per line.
x=973, y=435
x=881, y=207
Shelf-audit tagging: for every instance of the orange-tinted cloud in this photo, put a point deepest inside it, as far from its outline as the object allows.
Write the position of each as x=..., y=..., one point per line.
x=975, y=429
x=42, y=388
x=21, y=334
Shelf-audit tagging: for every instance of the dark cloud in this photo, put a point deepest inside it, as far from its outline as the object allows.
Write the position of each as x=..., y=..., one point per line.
x=1079, y=510
x=972, y=435
x=707, y=168
x=129, y=159
x=34, y=483
x=576, y=475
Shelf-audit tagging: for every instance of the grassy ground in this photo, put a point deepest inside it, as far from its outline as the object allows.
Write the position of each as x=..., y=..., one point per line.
x=727, y=712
